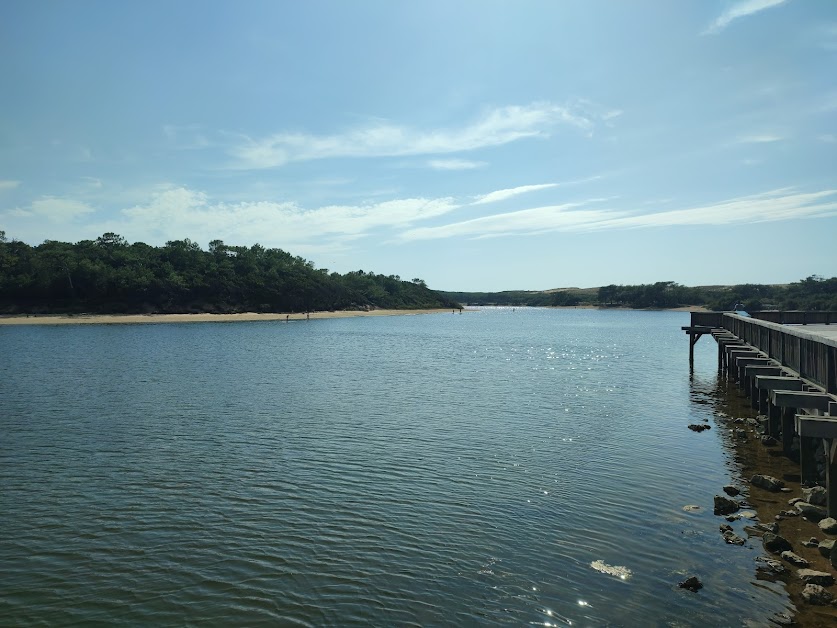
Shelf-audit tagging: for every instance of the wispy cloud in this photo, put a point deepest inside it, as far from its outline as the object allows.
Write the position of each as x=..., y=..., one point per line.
x=502, y=195
x=776, y=205
x=739, y=10
x=57, y=209
x=455, y=164
x=194, y=214
x=763, y=138
x=8, y=185
x=496, y=127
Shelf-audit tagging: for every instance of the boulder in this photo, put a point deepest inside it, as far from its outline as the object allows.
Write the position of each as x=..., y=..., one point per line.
x=828, y=525
x=816, y=595
x=783, y=619
x=725, y=505
x=812, y=542
x=775, y=544
x=699, y=427
x=810, y=511
x=795, y=559
x=811, y=576
x=767, y=482
x=730, y=490
x=691, y=583
x=826, y=547
x=815, y=495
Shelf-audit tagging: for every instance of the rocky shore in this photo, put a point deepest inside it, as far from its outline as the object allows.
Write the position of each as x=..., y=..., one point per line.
x=766, y=506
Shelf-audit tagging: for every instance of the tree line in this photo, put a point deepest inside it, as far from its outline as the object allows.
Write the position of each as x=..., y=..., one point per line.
x=812, y=293
x=110, y=275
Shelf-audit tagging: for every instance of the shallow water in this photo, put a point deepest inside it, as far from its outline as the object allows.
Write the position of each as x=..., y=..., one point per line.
x=423, y=470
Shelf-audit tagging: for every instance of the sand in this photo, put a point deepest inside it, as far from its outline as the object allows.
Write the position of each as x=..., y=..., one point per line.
x=132, y=319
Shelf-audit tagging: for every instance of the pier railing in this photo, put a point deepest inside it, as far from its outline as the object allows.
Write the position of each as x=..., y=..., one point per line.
x=811, y=355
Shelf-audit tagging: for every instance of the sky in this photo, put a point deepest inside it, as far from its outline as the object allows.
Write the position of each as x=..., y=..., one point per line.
x=476, y=144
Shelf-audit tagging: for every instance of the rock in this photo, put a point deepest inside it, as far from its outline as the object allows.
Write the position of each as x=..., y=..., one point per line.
x=692, y=584
x=746, y=514
x=731, y=518
x=725, y=527
x=775, y=544
x=812, y=542
x=768, y=527
x=788, y=513
x=739, y=421
x=826, y=547
x=767, y=482
x=732, y=538
x=816, y=595
x=691, y=508
x=810, y=512
x=783, y=619
x=699, y=427
x=741, y=433
x=811, y=576
x=795, y=559
x=794, y=500
x=828, y=525
x=730, y=490
x=786, y=490
x=769, y=441
x=725, y=505
x=816, y=495
x=751, y=421
x=769, y=568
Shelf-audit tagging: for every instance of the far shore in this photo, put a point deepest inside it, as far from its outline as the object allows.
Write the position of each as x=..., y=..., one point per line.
x=132, y=319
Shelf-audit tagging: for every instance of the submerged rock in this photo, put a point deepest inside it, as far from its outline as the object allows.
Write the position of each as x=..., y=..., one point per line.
x=732, y=538
x=691, y=583
x=817, y=595
x=725, y=505
x=767, y=482
x=812, y=576
x=699, y=427
x=769, y=568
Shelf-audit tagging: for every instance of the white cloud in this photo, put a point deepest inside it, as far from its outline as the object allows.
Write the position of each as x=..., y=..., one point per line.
x=776, y=205
x=455, y=164
x=8, y=185
x=58, y=209
x=739, y=10
x=180, y=212
x=382, y=139
x=501, y=195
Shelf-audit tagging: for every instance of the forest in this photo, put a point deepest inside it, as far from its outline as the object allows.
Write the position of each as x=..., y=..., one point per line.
x=109, y=275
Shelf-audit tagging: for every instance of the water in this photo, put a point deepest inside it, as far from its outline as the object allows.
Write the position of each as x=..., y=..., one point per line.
x=422, y=470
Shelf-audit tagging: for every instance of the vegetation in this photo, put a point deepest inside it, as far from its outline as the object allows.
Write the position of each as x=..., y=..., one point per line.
x=813, y=293
x=109, y=275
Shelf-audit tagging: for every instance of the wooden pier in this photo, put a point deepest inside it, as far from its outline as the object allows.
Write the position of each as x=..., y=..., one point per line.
x=786, y=363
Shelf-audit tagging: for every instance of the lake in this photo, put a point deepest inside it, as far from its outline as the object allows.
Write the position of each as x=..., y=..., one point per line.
x=520, y=467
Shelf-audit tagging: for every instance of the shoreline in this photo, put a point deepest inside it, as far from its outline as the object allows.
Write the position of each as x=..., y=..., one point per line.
x=135, y=319
x=748, y=457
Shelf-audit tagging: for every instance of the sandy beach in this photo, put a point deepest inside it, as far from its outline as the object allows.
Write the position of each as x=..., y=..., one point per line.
x=132, y=319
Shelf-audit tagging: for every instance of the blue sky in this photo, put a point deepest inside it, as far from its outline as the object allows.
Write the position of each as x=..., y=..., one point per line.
x=478, y=145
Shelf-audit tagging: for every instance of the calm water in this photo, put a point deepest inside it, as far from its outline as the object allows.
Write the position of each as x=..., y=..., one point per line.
x=423, y=470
